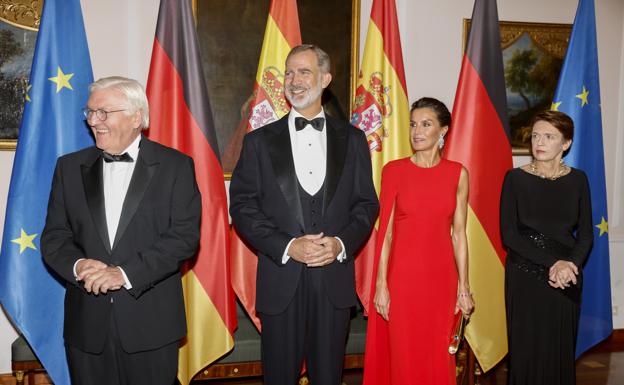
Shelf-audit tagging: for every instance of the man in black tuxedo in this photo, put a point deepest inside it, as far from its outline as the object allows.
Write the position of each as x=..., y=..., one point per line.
x=122, y=217
x=302, y=195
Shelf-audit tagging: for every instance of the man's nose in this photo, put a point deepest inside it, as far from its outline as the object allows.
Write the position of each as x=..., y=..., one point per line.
x=296, y=79
x=92, y=119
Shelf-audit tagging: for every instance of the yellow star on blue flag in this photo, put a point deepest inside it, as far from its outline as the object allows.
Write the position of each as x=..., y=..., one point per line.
x=25, y=241
x=603, y=226
x=583, y=96
x=62, y=80
x=554, y=106
x=27, y=90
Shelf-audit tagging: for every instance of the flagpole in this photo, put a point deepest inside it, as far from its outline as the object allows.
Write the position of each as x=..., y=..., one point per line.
x=355, y=51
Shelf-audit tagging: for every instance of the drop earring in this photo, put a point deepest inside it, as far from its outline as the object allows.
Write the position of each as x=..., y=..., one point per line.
x=441, y=142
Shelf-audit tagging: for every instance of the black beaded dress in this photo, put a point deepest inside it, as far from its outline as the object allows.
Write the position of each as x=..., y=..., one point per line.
x=542, y=221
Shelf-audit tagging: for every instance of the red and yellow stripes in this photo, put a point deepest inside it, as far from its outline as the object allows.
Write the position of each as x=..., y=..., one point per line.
x=381, y=110
x=269, y=104
x=479, y=140
x=381, y=106
x=181, y=118
x=281, y=35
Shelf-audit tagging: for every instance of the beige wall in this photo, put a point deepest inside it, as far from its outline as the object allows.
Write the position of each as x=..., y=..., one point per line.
x=121, y=33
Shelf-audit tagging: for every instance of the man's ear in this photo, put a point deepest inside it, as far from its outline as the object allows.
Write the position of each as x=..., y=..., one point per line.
x=136, y=119
x=326, y=79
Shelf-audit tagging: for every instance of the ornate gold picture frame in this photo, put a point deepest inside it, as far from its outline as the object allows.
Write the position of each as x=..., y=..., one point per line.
x=533, y=54
x=19, y=23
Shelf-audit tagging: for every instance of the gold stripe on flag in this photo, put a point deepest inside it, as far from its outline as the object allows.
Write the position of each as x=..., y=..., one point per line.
x=487, y=330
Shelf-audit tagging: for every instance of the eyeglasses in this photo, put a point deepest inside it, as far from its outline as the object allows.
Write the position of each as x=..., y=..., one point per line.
x=100, y=114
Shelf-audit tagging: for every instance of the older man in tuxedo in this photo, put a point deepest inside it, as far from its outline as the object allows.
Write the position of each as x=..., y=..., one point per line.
x=122, y=217
x=302, y=195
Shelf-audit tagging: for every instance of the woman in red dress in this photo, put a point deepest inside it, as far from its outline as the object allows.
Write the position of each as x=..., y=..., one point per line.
x=421, y=260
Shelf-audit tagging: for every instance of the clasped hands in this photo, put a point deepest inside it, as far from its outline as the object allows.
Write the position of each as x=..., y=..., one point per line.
x=315, y=250
x=561, y=273
x=98, y=277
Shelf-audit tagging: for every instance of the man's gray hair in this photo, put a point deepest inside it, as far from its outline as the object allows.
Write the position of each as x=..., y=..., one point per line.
x=132, y=89
x=322, y=56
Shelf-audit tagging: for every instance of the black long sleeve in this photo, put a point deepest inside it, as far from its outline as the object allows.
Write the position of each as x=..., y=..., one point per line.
x=560, y=209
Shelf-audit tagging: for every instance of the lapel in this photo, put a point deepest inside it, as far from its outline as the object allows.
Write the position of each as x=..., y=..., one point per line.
x=280, y=151
x=92, y=180
x=144, y=170
x=336, y=151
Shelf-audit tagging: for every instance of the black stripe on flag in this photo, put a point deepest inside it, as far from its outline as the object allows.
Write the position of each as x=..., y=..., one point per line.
x=177, y=36
x=484, y=52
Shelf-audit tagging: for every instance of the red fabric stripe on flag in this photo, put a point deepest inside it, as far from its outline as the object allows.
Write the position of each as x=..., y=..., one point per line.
x=287, y=19
x=383, y=14
x=483, y=149
x=172, y=124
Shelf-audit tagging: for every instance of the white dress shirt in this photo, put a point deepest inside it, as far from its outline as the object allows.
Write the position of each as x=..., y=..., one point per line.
x=309, y=151
x=117, y=177
x=309, y=148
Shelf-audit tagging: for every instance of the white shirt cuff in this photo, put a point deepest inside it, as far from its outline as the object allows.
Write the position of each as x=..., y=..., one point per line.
x=343, y=254
x=285, y=256
x=74, y=268
x=126, y=285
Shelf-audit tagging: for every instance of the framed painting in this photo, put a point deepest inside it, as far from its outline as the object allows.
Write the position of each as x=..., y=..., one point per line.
x=230, y=39
x=533, y=54
x=19, y=22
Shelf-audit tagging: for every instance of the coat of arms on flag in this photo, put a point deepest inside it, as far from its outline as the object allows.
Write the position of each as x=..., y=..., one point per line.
x=271, y=103
x=371, y=105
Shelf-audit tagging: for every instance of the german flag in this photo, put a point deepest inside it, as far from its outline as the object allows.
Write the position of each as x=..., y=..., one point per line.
x=479, y=139
x=181, y=118
x=381, y=110
x=269, y=104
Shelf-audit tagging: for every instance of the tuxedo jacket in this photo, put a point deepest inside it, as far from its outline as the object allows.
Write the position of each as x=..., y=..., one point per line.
x=158, y=230
x=266, y=209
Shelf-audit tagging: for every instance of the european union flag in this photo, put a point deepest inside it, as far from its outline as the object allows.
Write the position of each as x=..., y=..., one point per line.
x=578, y=95
x=52, y=125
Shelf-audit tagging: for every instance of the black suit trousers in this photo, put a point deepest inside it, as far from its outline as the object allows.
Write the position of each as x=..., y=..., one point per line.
x=310, y=328
x=114, y=366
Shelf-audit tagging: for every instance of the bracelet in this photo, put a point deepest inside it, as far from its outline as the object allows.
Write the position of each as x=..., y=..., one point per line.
x=464, y=294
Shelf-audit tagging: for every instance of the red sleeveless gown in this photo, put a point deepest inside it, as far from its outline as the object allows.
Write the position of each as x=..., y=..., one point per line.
x=412, y=348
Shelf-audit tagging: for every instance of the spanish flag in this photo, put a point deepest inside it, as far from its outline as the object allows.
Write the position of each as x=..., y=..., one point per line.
x=381, y=110
x=181, y=118
x=269, y=104
x=479, y=139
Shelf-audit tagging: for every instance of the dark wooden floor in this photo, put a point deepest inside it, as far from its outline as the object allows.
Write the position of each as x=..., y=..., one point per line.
x=603, y=365
x=594, y=368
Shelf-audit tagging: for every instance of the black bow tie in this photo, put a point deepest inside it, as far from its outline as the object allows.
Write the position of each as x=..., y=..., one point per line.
x=125, y=157
x=316, y=123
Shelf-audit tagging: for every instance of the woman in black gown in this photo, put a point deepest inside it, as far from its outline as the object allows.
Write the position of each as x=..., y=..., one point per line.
x=547, y=230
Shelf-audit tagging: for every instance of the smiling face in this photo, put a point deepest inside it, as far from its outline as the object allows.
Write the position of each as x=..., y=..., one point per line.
x=119, y=129
x=425, y=129
x=547, y=142
x=304, y=82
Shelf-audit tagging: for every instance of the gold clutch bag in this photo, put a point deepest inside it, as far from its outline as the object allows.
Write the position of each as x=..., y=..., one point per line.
x=458, y=334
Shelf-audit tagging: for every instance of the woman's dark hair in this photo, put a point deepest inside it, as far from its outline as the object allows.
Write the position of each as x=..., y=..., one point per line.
x=442, y=113
x=559, y=120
